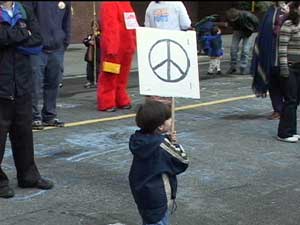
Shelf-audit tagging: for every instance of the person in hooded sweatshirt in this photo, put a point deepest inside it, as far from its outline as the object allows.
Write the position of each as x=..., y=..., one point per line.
x=157, y=159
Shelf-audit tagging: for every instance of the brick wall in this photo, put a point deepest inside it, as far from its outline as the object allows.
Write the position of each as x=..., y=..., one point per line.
x=83, y=13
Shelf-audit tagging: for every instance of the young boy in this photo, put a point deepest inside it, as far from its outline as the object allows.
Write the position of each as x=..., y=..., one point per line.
x=156, y=162
x=214, y=48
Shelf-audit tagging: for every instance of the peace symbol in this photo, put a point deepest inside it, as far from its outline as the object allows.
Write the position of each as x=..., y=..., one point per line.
x=169, y=69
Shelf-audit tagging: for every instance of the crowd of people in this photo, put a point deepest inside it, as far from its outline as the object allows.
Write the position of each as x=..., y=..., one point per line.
x=35, y=35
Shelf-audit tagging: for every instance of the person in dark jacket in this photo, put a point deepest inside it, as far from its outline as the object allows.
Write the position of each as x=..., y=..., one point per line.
x=156, y=162
x=265, y=60
x=19, y=37
x=90, y=41
x=55, y=21
x=244, y=24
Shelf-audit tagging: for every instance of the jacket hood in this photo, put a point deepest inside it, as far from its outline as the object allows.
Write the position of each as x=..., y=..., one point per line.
x=144, y=145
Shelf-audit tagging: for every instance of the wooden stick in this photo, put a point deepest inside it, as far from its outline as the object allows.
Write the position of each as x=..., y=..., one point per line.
x=95, y=40
x=173, y=114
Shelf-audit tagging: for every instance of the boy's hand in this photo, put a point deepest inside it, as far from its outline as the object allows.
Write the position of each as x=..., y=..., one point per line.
x=173, y=137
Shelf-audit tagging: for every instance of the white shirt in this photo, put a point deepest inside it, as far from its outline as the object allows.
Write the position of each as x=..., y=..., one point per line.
x=171, y=15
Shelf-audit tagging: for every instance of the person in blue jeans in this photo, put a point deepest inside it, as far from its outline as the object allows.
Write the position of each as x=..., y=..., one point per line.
x=157, y=160
x=55, y=21
x=244, y=24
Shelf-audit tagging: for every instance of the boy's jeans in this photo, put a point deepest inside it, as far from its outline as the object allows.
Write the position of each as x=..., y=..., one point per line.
x=164, y=221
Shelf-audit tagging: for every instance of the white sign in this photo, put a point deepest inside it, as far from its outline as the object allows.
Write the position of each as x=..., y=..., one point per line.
x=167, y=63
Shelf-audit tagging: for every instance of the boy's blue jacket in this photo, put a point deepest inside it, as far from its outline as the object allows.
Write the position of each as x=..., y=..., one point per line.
x=153, y=156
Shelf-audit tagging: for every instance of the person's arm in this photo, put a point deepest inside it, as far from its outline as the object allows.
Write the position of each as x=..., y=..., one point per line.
x=109, y=29
x=174, y=157
x=184, y=19
x=13, y=36
x=66, y=25
x=284, y=38
x=147, y=17
x=34, y=28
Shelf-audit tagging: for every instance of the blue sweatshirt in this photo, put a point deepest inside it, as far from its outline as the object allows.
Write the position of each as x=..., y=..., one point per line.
x=55, y=22
x=156, y=162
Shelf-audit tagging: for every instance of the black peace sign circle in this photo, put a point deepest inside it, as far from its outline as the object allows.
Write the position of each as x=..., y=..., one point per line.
x=168, y=61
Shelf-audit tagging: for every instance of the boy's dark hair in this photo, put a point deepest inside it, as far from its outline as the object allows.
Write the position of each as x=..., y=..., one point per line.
x=151, y=115
x=232, y=14
x=214, y=30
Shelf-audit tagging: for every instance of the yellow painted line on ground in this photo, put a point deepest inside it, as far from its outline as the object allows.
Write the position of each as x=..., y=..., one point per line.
x=127, y=116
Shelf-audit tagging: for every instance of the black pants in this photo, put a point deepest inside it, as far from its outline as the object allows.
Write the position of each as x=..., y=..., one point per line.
x=90, y=72
x=16, y=120
x=291, y=93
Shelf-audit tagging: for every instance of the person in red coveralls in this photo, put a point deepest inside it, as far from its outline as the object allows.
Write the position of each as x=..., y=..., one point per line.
x=118, y=45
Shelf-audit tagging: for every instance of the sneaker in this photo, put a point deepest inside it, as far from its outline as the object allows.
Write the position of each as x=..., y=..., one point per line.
x=110, y=110
x=41, y=183
x=6, y=192
x=54, y=123
x=60, y=85
x=90, y=85
x=274, y=116
x=125, y=107
x=37, y=125
x=297, y=136
x=209, y=73
x=231, y=70
x=219, y=72
x=292, y=139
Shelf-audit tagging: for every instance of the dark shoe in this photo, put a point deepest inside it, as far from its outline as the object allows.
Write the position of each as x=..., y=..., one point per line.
x=6, y=192
x=54, y=123
x=37, y=125
x=274, y=116
x=41, y=183
x=209, y=73
x=126, y=107
x=219, y=72
x=231, y=70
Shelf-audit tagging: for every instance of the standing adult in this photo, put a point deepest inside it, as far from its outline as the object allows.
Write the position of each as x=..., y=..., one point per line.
x=19, y=37
x=289, y=58
x=166, y=15
x=118, y=45
x=55, y=21
x=244, y=24
x=265, y=61
x=170, y=15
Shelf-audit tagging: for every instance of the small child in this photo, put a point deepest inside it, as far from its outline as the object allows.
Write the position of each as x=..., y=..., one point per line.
x=89, y=42
x=214, y=49
x=156, y=162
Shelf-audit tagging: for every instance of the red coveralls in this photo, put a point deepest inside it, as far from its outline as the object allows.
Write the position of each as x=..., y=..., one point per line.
x=118, y=45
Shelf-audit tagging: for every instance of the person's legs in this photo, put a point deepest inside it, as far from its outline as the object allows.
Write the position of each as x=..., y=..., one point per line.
x=275, y=94
x=22, y=141
x=106, y=92
x=5, y=122
x=38, y=64
x=288, y=119
x=234, y=49
x=246, y=45
x=122, y=97
x=163, y=221
x=51, y=84
x=212, y=66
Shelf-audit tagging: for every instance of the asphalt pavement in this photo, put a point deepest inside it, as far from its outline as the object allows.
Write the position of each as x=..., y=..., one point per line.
x=239, y=174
